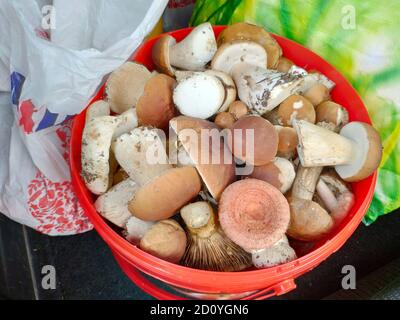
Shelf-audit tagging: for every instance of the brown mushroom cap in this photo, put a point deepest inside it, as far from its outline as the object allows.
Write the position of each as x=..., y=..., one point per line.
x=250, y=32
x=296, y=107
x=265, y=140
x=224, y=120
x=156, y=107
x=308, y=220
x=253, y=214
x=331, y=112
x=284, y=65
x=238, y=109
x=279, y=172
x=162, y=197
x=215, y=175
x=160, y=54
x=125, y=85
x=165, y=240
x=287, y=141
x=317, y=94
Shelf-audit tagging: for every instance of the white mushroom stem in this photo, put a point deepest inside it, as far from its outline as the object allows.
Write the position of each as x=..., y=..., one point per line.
x=136, y=229
x=326, y=195
x=305, y=182
x=141, y=153
x=96, y=142
x=261, y=89
x=196, y=50
x=281, y=252
x=311, y=79
x=128, y=121
x=319, y=146
x=113, y=205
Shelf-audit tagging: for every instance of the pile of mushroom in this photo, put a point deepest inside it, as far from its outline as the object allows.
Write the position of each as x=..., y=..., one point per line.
x=286, y=152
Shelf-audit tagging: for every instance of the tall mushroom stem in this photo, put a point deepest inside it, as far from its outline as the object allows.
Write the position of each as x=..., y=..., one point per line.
x=305, y=183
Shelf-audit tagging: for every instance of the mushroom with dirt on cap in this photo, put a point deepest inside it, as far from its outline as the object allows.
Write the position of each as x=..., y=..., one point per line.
x=355, y=153
x=295, y=107
x=208, y=247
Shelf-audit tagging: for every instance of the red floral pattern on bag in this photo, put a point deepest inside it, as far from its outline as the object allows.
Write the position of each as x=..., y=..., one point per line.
x=54, y=204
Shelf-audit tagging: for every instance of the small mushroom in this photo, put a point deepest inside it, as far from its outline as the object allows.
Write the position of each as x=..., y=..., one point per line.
x=335, y=195
x=281, y=252
x=125, y=85
x=196, y=50
x=141, y=153
x=208, y=152
x=208, y=247
x=279, y=172
x=295, y=107
x=161, y=54
x=317, y=94
x=224, y=120
x=229, y=85
x=356, y=152
x=97, y=109
x=308, y=220
x=113, y=205
x=250, y=32
x=165, y=240
x=287, y=137
x=96, y=141
x=330, y=112
x=261, y=89
x=253, y=214
x=199, y=95
x=238, y=109
x=284, y=65
x=155, y=107
x=241, y=51
x=135, y=229
x=254, y=140
x=166, y=194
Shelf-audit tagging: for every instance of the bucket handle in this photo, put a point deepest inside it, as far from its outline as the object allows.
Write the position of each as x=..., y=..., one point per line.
x=275, y=290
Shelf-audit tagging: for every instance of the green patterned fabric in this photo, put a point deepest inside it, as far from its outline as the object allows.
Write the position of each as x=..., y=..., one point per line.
x=358, y=37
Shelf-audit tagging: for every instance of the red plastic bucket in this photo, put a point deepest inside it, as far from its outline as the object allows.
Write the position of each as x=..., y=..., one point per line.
x=251, y=284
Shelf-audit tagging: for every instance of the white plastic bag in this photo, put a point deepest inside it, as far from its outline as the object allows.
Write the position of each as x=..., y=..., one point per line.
x=50, y=76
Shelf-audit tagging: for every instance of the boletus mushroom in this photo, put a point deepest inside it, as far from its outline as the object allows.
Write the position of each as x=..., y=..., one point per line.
x=335, y=195
x=125, y=85
x=224, y=120
x=135, y=229
x=96, y=141
x=141, y=153
x=281, y=252
x=97, y=109
x=250, y=32
x=262, y=89
x=287, y=137
x=284, y=65
x=331, y=114
x=113, y=205
x=208, y=247
x=317, y=94
x=156, y=107
x=238, y=109
x=295, y=107
x=166, y=240
x=229, y=85
x=233, y=53
x=279, y=172
x=253, y=214
x=253, y=140
x=308, y=220
x=203, y=142
x=355, y=153
x=166, y=194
